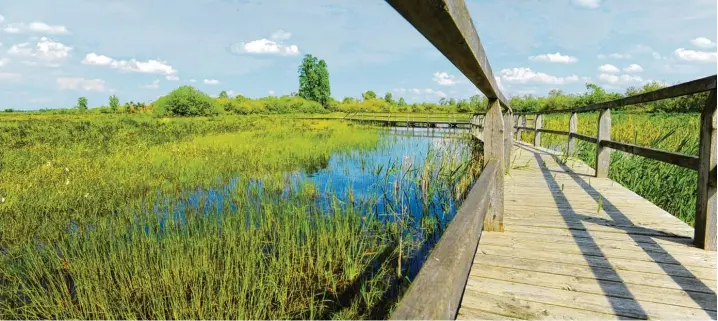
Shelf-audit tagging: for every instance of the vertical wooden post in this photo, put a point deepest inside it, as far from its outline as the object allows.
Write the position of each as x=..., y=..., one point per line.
x=521, y=123
x=494, y=151
x=603, y=154
x=538, y=124
x=572, y=129
x=508, y=139
x=705, y=227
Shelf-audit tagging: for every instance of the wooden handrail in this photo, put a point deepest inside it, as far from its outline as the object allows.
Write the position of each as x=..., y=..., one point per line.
x=436, y=291
x=704, y=163
x=683, y=89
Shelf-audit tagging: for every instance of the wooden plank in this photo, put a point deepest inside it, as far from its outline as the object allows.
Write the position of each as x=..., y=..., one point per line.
x=589, y=302
x=586, y=247
x=599, y=273
x=641, y=293
x=436, y=291
x=448, y=26
x=572, y=129
x=603, y=154
x=705, y=232
x=670, y=248
x=494, y=144
x=686, y=88
x=519, y=309
x=617, y=229
x=508, y=139
x=538, y=124
x=663, y=240
x=682, y=160
x=707, y=275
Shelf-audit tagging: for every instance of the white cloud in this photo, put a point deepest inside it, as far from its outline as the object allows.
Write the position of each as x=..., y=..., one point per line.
x=271, y=92
x=81, y=83
x=554, y=58
x=444, y=79
x=526, y=75
x=656, y=55
x=591, y=4
x=609, y=68
x=616, y=79
x=703, y=42
x=154, y=85
x=633, y=68
x=37, y=27
x=45, y=50
x=172, y=77
x=272, y=46
x=693, y=55
x=211, y=82
x=149, y=67
x=3, y=61
x=193, y=81
x=2, y=18
x=614, y=56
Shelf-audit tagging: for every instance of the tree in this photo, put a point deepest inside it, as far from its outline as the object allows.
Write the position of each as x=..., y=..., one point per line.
x=402, y=102
x=223, y=94
x=314, y=80
x=389, y=98
x=370, y=94
x=82, y=103
x=114, y=102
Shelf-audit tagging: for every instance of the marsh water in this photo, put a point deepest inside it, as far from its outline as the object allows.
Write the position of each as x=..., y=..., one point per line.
x=404, y=178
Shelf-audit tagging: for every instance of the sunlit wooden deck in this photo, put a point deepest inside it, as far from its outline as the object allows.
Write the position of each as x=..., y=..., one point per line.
x=580, y=247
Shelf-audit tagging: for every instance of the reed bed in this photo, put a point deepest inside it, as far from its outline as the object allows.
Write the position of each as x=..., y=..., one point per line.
x=119, y=217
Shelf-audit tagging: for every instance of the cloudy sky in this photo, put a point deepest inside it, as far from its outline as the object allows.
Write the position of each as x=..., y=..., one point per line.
x=55, y=51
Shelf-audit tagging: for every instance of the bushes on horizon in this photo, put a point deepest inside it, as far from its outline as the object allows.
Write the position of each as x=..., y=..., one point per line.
x=271, y=105
x=186, y=101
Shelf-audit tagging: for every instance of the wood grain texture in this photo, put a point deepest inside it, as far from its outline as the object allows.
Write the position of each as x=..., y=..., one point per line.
x=705, y=234
x=580, y=247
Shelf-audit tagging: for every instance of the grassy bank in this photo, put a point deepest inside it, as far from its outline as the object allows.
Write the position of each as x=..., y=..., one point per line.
x=670, y=187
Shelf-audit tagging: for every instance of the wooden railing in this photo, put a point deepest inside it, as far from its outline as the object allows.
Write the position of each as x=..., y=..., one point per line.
x=412, y=117
x=704, y=163
x=436, y=291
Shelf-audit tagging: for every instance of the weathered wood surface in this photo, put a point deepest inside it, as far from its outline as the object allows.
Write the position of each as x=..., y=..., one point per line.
x=580, y=247
x=603, y=153
x=436, y=291
x=705, y=235
x=494, y=138
x=448, y=26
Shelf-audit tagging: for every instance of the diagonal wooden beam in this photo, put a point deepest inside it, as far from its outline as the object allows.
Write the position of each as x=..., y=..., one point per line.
x=448, y=26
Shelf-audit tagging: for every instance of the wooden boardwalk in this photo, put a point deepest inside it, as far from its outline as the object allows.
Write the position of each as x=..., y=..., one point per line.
x=580, y=247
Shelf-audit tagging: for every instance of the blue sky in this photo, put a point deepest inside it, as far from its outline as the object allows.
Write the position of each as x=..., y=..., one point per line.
x=55, y=51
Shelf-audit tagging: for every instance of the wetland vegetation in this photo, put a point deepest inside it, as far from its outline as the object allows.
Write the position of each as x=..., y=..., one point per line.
x=200, y=207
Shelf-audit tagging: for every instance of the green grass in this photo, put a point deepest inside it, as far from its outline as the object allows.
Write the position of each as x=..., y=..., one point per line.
x=670, y=187
x=80, y=237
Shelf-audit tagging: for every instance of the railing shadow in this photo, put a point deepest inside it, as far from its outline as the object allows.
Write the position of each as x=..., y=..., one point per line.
x=642, y=236
x=688, y=281
x=622, y=299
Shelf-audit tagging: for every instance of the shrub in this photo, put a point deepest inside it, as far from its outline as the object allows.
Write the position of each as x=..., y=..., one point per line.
x=186, y=101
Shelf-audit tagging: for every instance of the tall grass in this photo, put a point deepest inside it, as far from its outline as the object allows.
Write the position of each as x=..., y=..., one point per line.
x=670, y=187
x=114, y=217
